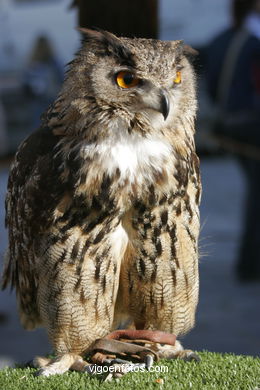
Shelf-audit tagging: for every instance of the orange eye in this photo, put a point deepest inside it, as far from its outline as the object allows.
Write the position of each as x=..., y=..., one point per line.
x=126, y=79
x=177, y=80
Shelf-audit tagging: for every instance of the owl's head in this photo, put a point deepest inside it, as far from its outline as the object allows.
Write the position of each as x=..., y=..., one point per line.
x=131, y=78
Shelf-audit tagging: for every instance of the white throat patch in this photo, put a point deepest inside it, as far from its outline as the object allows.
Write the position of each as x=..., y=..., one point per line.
x=134, y=155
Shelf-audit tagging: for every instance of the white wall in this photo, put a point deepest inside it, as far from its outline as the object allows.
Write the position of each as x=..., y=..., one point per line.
x=195, y=21
x=20, y=23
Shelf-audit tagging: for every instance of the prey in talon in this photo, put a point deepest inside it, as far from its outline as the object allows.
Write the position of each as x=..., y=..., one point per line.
x=102, y=205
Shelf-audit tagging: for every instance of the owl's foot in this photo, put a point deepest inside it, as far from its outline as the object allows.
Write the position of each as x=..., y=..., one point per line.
x=137, y=344
x=163, y=344
x=175, y=351
x=119, y=350
x=188, y=355
x=59, y=365
x=142, y=346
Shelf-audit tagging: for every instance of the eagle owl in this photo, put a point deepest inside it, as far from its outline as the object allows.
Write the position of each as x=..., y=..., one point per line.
x=102, y=202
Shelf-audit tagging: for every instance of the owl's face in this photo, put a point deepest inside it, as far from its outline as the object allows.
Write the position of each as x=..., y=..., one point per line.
x=135, y=77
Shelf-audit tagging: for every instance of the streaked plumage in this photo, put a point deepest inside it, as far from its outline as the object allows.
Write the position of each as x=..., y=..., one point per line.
x=102, y=203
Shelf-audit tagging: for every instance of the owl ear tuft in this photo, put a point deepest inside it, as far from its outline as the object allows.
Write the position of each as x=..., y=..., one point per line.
x=95, y=34
x=187, y=50
x=110, y=45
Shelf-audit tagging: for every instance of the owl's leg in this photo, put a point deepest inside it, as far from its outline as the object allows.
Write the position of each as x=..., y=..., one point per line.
x=159, y=277
x=76, y=302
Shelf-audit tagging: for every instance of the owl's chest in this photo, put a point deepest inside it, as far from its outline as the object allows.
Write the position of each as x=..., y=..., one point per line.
x=133, y=158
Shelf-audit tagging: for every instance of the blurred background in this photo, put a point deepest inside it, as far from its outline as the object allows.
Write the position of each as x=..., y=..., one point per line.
x=37, y=39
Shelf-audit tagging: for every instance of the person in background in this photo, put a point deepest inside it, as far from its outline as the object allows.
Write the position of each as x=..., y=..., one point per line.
x=252, y=20
x=233, y=80
x=3, y=132
x=42, y=78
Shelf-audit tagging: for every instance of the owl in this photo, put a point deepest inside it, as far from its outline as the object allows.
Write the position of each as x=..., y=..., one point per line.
x=103, y=200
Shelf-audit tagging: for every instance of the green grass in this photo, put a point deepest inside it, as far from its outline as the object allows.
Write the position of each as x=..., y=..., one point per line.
x=215, y=371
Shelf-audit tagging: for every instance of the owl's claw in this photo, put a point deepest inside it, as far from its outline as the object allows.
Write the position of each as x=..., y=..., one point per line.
x=148, y=360
x=189, y=356
x=120, y=361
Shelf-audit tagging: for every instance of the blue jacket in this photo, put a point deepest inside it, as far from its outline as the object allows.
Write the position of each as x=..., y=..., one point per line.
x=244, y=93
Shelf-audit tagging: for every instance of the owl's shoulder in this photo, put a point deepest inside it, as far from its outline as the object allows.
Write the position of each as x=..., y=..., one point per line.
x=37, y=146
x=34, y=181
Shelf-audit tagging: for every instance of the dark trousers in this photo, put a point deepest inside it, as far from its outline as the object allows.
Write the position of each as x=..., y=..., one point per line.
x=248, y=265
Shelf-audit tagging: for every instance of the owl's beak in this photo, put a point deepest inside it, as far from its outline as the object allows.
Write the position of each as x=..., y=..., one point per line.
x=164, y=104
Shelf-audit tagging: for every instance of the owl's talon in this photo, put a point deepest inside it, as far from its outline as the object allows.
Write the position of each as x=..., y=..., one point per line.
x=148, y=360
x=192, y=357
x=121, y=361
x=37, y=373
